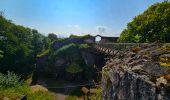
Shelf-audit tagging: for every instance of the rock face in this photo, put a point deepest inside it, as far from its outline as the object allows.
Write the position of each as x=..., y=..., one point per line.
x=136, y=76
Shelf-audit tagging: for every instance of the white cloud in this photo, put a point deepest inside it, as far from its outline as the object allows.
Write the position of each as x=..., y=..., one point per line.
x=102, y=29
x=105, y=31
x=78, y=30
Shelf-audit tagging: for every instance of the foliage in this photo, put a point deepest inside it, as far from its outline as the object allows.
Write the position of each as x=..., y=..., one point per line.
x=136, y=38
x=66, y=49
x=84, y=46
x=52, y=36
x=74, y=68
x=98, y=95
x=41, y=95
x=84, y=36
x=43, y=53
x=150, y=26
x=1, y=54
x=15, y=93
x=20, y=47
x=71, y=54
x=12, y=88
x=61, y=39
x=10, y=80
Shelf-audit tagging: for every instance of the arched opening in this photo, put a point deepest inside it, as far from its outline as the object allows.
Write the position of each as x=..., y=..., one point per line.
x=98, y=38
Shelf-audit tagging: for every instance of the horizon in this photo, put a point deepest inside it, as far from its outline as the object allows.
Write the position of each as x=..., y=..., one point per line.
x=66, y=17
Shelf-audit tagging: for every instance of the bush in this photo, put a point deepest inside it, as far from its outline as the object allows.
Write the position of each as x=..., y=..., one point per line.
x=74, y=68
x=46, y=52
x=1, y=54
x=150, y=26
x=10, y=80
x=84, y=46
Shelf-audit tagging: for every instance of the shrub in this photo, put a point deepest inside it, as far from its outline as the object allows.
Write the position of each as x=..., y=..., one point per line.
x=1, y=54
x=74, y=68
x=10, y=80
x=43, y=53
x=83, y=46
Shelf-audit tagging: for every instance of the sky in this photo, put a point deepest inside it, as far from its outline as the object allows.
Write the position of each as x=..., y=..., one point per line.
x=79, y=17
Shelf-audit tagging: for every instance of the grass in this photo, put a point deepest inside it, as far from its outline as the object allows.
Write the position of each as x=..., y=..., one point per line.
x=41, y=95
x=13, y=89
x=14, y=93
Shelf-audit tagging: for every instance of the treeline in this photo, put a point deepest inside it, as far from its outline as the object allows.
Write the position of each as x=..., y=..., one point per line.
x=19, y=47
x=150, y=26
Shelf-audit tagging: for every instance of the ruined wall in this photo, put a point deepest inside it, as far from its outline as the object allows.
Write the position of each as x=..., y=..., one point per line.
x=136, y=74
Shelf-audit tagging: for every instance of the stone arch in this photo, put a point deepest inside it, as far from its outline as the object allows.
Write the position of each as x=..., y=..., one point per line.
x=98, y=38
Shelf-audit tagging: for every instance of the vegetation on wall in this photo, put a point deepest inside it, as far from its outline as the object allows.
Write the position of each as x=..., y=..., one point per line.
x=152, y=25
x=84, y=36
x=74, y=68
x=70, y=53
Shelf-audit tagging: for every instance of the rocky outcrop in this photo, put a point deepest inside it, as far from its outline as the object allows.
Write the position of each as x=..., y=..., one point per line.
x=136, y=74
x=88, y=57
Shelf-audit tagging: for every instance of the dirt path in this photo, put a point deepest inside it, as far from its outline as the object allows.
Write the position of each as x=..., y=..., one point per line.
x=62, y=93
x=60, y=96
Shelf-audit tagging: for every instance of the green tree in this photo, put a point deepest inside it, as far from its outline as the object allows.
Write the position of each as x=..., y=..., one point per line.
x=20, y=45
x=46, y=42
x=150, y=26
x=1, y=54
x=52, y=36
x=37, y=42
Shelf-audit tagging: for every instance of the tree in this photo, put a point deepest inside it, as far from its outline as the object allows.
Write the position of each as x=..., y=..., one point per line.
x=18, y=47
x=152, y=25
x=52, y=36
x=1, y=54
x=46, y=42
x=37, y=42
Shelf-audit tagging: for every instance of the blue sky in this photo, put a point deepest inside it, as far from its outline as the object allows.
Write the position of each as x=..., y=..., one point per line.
x=65, y=17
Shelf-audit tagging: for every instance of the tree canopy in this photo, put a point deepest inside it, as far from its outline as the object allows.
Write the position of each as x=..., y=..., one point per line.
x=152, y=25
x=19, y=46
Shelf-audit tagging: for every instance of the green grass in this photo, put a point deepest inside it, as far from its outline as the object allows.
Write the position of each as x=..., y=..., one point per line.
x=13, y=89
x=41, y=95
x=71, y=98
x=18, y=92
x=14, y=93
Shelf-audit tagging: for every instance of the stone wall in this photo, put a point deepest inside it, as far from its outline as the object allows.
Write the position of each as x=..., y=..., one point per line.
x=137, y=75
